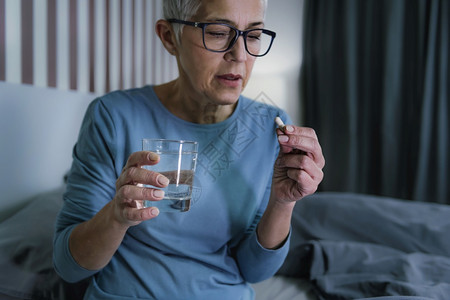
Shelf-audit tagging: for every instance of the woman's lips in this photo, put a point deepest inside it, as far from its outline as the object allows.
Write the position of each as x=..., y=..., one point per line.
x=230, y=80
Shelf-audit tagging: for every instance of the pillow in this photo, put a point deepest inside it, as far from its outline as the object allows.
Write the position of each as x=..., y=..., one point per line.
x=26, y=246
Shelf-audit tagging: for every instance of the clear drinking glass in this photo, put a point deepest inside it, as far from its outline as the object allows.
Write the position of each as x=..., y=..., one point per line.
x=177, y=162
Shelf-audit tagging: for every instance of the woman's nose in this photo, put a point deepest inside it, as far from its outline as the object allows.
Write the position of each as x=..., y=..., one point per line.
x=238, y=52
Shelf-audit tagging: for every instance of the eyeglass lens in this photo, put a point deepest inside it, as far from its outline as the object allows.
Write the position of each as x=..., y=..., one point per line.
x=218, y=37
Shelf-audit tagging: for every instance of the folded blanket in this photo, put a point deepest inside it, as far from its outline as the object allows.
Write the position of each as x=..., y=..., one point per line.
x=354, y=246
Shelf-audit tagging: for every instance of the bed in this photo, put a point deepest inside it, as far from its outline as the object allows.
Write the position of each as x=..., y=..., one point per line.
x=344, y=246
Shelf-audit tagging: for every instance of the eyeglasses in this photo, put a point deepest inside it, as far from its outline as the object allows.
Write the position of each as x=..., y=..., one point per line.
x=218, y=37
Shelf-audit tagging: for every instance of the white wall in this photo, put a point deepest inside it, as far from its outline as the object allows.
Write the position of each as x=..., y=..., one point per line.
x=38, y=129
x=277, y=74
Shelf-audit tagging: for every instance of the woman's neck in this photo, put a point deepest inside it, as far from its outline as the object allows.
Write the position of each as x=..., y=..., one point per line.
x=190, y=109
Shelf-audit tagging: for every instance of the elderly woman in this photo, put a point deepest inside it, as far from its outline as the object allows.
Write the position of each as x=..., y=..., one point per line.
x=249, y=174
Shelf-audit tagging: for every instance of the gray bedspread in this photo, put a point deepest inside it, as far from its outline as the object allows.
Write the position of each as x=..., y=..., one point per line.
x=357, y=246
x=348, y=246
x=26, y=269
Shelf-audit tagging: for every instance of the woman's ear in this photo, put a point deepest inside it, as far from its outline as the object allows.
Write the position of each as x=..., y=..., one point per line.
x=166, y=34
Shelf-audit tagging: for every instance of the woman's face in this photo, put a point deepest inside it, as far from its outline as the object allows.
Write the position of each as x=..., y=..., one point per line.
x=218, y=78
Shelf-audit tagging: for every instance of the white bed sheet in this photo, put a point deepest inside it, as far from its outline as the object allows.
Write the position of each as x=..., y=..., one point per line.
x=283, y=288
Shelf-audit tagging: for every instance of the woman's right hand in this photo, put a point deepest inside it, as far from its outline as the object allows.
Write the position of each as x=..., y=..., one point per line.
x=94, y=242
x=130, y=192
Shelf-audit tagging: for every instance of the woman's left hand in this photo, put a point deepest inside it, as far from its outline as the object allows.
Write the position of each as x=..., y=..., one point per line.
x=298, y=168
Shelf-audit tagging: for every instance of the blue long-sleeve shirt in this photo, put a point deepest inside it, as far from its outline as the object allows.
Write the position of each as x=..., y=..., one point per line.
x=209, y=252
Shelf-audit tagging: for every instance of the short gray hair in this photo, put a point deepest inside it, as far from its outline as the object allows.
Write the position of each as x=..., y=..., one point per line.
x=185, y=10
x=180, y=9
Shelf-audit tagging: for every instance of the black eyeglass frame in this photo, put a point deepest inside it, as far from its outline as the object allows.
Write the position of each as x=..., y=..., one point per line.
x=244, y=34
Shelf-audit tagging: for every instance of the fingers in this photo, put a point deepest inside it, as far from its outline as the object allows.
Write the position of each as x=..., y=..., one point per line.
x=139, y=215
x=142, y=158
x=307, y=185
x=129, y=203
x=298, y=169
x=130, y=199
x=132, y=173
x=299, y=165
x=130, y=210
x=131, y=192
x=137, y=175
x=295, y=176
x=301, y=138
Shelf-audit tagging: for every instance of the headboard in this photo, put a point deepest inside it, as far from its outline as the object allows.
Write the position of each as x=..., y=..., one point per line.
x=38, y=129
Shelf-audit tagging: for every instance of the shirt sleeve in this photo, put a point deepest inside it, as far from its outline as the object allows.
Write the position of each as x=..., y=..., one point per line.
x=90, y=186
x=257, y=263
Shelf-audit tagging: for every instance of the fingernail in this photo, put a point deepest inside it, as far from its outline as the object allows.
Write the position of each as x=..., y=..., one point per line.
x=154, y=211
x=153, y=156
x=289, y=128
x=162, y=180
x=283, y=138
x=158, y=193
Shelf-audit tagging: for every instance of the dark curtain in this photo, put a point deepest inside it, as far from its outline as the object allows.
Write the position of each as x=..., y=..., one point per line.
x=375, y=81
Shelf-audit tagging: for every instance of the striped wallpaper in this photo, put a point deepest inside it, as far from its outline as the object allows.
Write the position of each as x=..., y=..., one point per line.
x=85, y=45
